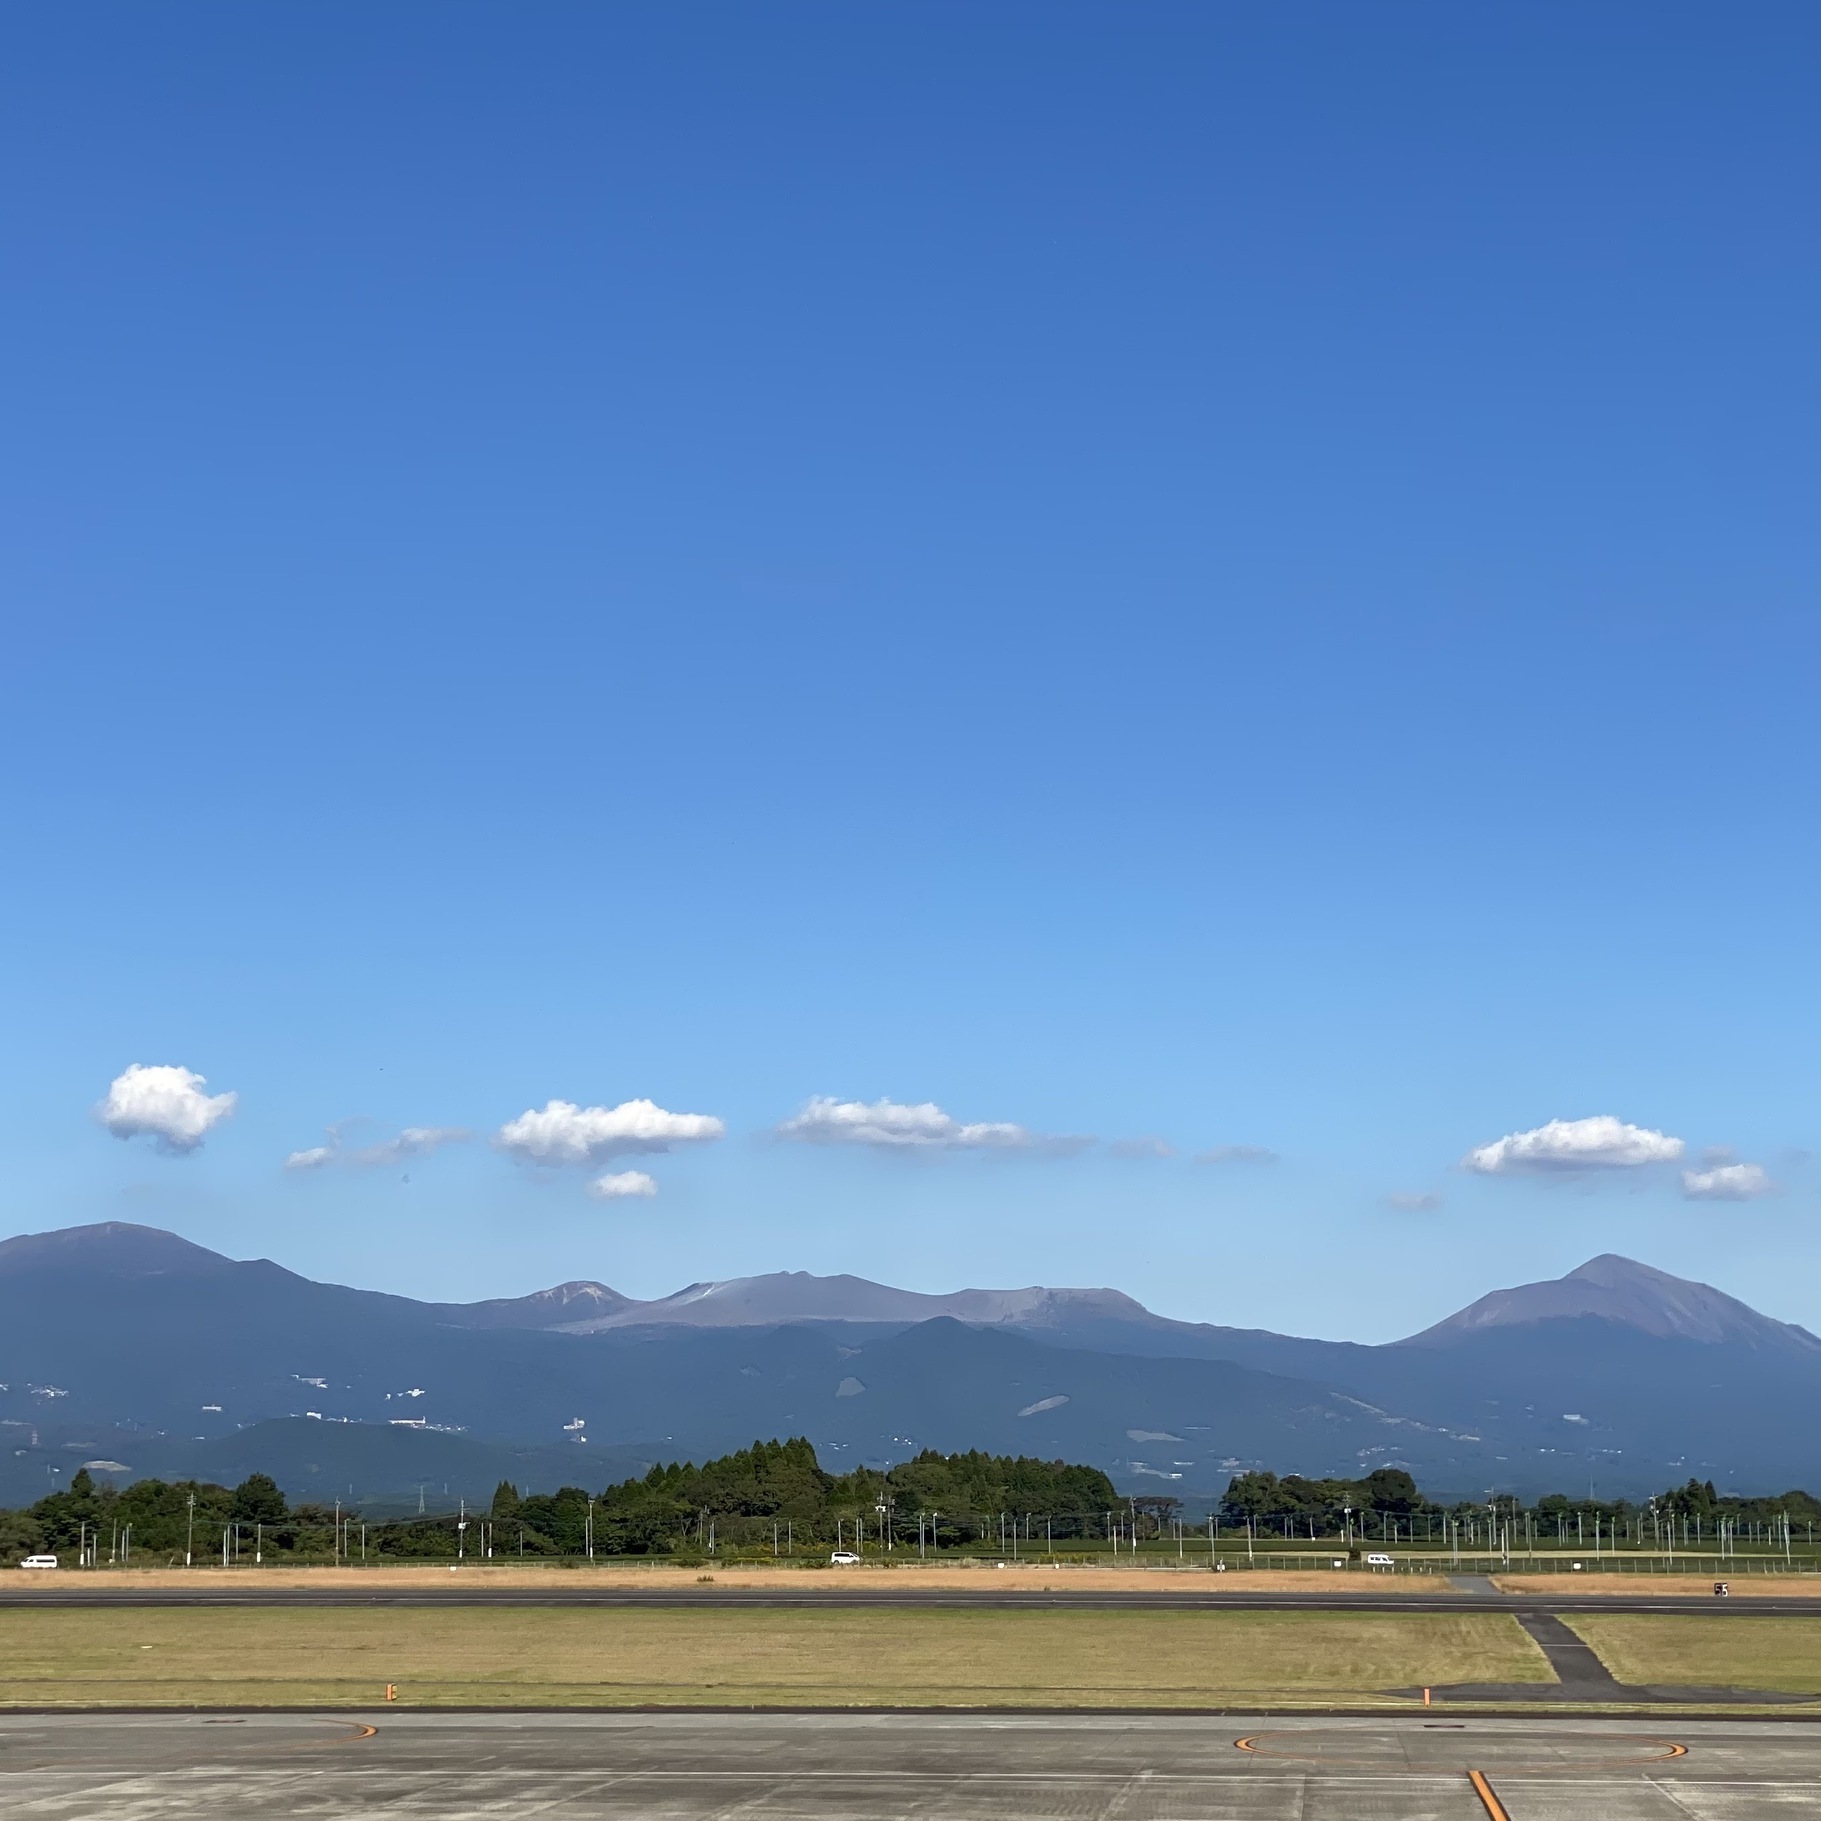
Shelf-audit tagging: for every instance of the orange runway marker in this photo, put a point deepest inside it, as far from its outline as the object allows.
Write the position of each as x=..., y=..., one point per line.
x=1484, y=1790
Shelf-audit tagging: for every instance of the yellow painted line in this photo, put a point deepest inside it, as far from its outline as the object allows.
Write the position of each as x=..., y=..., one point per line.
x=1481, y=1788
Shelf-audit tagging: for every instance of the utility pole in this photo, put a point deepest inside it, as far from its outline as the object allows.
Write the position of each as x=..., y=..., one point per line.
x=189, y=1533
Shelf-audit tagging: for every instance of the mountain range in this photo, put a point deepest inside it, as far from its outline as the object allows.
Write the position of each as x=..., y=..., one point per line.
x=134, y=1347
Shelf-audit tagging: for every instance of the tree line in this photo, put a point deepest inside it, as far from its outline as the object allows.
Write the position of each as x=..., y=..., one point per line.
x=1388, y=1504
x=773, y=1494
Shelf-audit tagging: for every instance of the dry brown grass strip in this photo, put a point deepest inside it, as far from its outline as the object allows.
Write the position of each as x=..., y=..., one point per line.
x=564, y=1655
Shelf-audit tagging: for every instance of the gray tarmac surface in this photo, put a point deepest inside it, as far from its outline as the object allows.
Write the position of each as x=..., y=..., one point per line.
x=1034, y=1767
x=248, y=1592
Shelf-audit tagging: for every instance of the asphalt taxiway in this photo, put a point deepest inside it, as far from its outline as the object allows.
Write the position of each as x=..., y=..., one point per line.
x=878, y=1767
x=246, y=1590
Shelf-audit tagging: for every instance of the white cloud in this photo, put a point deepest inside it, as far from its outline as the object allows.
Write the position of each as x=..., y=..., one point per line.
x=413, y=1141
x=1413, y=1204
x=1150, y=1145
x=165, y=1103
x=891, y=1125
x=1728, y=1182
x=566, y=1133
x=617, y=1183
x=1237, y=1153
x=1600, y=1143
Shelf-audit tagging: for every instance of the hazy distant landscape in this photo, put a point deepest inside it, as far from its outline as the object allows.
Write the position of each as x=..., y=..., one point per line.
x=137, y=1353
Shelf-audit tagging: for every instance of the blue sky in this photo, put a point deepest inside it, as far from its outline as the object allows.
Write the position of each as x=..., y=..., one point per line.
x=1238, y=575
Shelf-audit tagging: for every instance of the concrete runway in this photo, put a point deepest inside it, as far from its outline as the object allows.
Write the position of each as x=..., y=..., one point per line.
x=1033, y=1767
x=247, y=1592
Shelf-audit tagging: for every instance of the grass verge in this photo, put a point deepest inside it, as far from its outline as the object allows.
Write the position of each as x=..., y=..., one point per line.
x=559, y=1656
x=1782, y=1655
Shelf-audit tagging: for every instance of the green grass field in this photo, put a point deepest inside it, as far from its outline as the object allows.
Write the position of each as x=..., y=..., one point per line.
x=1782, y=1654
x=536, y=1657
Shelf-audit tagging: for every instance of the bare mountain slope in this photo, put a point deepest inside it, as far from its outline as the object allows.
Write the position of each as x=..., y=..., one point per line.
x=1620, y=1290
x=797, y=1296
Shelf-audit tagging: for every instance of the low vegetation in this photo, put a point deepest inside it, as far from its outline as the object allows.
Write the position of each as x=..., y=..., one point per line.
x=1738, y=1651
x=565, y=1656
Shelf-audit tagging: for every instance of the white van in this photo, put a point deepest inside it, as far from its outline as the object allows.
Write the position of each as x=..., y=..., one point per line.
x=843, y=1558
x=1381, y=1561
x=39, y=1561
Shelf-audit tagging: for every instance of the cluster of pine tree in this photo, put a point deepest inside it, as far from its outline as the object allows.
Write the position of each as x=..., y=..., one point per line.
x=776, y=1490
x=770, y=1491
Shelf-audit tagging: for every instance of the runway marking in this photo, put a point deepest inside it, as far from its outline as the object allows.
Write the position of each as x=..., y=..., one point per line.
x=1121, y=1798
x=1669, y=1795
x=1481, y=1788
x=1661, y=1751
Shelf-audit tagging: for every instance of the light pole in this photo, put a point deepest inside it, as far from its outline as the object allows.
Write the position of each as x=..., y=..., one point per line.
x=189, y=1533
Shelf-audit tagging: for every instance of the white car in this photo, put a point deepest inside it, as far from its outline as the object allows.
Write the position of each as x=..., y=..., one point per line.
x=1381, y=1561
x=39, y=1561
x=843, y=1558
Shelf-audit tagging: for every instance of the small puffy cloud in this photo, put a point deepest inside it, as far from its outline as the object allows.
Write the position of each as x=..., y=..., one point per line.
x=894, y=1126
x=1413, y=1204
x=1237, y=1153
x=564, y=1133
x=165, y=1103
x=618, y=1183
x=1728, y=1182
x=1564, y=1145
x=413, y=1141
x=1150, y=1145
